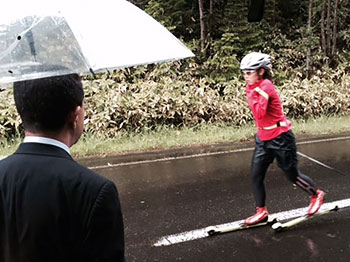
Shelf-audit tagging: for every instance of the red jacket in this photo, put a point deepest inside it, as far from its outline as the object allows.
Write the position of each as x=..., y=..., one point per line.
x=266, y=107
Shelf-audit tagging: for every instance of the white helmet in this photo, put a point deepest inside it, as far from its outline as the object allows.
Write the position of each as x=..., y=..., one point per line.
x=255, y=60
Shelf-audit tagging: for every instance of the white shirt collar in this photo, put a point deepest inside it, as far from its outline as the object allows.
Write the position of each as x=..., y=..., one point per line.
x=45, y=140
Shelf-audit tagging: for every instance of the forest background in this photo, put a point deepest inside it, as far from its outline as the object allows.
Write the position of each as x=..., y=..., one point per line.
x=308, y=41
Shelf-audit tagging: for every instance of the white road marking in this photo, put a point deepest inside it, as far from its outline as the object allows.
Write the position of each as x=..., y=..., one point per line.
x=203, y=232
x=109, y=165
x=320, y=163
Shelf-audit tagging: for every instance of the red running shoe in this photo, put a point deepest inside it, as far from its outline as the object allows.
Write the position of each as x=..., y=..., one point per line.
x=261, y=215
x=316, y=202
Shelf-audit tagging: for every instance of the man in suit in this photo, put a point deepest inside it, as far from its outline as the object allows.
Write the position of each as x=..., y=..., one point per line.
x=52, y=208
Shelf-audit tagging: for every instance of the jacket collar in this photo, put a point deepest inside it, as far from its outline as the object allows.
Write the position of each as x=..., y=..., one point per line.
x=46, y=140
x=42, y=149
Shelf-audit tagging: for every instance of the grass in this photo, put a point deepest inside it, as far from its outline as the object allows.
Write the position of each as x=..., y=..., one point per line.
x=94, y=144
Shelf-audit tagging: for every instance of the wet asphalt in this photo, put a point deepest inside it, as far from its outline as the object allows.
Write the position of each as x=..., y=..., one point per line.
x=173, y=191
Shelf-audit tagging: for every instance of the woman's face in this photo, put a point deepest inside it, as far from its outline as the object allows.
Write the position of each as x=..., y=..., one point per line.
x=253, y=76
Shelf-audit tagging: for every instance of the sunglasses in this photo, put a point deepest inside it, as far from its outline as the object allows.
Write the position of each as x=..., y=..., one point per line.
x=248, y=71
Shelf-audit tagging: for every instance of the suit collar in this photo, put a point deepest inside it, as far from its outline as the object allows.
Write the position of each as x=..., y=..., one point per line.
x=46, y=140
x=42, y=149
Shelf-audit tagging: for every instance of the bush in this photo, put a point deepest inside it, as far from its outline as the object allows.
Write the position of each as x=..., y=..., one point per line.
x=9, y=118
x=179, y=99
x=113, y=107
x=315, y=97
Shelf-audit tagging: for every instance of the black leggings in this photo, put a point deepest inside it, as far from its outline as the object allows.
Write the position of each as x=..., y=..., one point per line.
x=283, y=148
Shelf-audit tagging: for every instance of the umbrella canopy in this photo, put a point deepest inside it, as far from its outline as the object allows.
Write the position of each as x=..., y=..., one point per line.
x=79, y=36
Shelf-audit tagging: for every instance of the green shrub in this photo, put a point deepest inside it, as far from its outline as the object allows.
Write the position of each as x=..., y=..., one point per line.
x=179, y=99
x=9, y=119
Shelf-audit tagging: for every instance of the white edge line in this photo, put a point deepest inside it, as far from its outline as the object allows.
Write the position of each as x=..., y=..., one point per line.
x=203, y=232
x=314, y=160
x=171, y=158
x=208, y=154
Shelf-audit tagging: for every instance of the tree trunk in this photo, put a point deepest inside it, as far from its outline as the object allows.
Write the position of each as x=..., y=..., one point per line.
x=335, y=23
x=202, y=25
x=211, y=16
x=323, y=33
x=329, y=34
x=309, y=34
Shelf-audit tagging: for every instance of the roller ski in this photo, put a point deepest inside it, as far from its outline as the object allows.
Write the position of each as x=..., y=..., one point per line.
x=316, y=202
x=278, y=227
x=212, y=231
x=259, y=219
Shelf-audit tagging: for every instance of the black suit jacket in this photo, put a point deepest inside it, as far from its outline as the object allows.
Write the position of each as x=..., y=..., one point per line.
x=53, y=209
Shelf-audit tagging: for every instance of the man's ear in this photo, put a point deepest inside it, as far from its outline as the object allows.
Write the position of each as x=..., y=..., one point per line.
x=73, y=116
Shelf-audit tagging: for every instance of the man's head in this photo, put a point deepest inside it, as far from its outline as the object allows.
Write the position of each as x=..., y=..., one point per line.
x=255, y=66
x=48, y=105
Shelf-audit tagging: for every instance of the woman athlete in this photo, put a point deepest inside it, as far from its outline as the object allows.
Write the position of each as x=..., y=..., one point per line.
x=274, y=138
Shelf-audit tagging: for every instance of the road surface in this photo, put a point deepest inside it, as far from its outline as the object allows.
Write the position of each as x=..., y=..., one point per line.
x=170, y=197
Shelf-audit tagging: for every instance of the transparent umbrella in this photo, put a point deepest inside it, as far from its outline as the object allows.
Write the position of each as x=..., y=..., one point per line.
x=79, y=36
